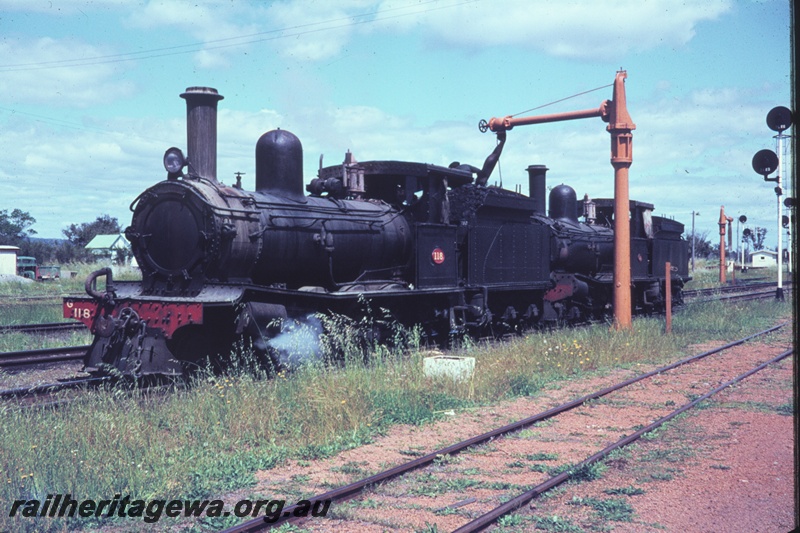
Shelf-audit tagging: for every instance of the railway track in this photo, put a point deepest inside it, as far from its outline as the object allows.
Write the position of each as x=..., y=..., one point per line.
x=759, y=288
x=74, y=353
x=353, y=490
x=50, y=327
x=42, y=356
x=488, y=518
x=40, y=391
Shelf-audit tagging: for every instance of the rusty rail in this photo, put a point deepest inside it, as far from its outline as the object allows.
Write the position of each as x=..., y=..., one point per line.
x=489, y=518
x=42, y=356
x=353, y=489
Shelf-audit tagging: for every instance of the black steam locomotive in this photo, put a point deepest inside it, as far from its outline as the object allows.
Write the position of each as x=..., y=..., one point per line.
x=433, y=245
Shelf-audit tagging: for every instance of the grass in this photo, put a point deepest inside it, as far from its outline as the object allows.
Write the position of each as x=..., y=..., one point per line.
x=556, y=524
x=214, y=436
x=630, y=490
x=614, y=509
x=706, y=274
x=68, y=284
x=45, y=307
x=15, y=341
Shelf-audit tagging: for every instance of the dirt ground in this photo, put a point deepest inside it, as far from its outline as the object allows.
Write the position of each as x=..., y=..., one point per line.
x=726, y=466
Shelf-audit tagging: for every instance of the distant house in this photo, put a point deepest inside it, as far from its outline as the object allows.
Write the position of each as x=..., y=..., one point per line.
x=764, y=258
x=8, y=260
x=109, y=246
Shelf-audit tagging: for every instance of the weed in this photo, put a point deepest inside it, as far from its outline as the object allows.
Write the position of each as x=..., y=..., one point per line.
x=672, y=455
x=556, y=524
x=630, y=490
x=500, y=485
x=554, y=493
x=446, y=459
x=447, y=511
x=511, y=520
x=351, y=467
x=614, y=509
x=662, y=476
x=542, y=456
x=588, y=472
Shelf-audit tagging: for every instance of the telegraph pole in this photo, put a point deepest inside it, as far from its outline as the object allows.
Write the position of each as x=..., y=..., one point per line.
x=693, y=215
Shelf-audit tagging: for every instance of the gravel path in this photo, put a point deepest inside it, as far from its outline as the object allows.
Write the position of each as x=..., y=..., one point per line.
x=725, y=467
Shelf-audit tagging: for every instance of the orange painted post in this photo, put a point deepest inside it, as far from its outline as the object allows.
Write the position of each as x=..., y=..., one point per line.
x=620, y=126
x=668, y=294
x=723, y=221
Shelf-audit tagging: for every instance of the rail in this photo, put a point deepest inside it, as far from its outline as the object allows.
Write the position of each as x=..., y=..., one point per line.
x=353, y=489
x=43, y=356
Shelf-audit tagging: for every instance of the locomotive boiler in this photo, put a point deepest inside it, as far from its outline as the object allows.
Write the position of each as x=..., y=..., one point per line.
x=434, y=246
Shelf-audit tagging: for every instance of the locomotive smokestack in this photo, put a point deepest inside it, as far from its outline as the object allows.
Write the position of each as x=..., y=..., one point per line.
x=201, y=130
x=537, y=186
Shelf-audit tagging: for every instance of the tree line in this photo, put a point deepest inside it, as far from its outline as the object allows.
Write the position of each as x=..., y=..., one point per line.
x=704, y=249
x=16, y=229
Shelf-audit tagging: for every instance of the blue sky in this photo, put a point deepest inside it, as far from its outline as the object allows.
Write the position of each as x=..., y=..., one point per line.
x=89, y=93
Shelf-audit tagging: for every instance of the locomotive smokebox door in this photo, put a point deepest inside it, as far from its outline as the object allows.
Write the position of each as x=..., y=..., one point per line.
x=436, y=256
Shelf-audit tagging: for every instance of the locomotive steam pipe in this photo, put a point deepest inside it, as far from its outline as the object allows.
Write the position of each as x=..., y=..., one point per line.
x=91, y=284
x=506, y=123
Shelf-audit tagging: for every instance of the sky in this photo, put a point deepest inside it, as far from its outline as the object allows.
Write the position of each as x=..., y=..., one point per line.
x=89, y=94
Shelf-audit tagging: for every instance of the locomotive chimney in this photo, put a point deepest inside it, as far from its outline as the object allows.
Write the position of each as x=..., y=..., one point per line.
x=201, y=130
x=537, y=186
x=279, y=165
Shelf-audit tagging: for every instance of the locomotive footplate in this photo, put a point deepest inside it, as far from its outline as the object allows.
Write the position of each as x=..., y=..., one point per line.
x=167, y=316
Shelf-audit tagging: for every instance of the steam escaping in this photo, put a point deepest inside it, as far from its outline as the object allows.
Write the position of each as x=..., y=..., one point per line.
x=298, y=342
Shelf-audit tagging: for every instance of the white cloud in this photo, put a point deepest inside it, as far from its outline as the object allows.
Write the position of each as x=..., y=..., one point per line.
x=216, y=26
x=314, y=31
x=574, y=29
x=582, y=29
x=71, y=84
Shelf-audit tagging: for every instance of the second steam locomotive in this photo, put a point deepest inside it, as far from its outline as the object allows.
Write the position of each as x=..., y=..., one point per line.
x=433, y=245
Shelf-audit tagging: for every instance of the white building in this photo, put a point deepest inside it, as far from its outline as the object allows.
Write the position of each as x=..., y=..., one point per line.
x=106, y=246
x=8, y=260
x=764, y=258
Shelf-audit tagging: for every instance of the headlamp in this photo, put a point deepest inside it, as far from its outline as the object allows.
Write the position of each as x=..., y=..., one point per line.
x=174, y=160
